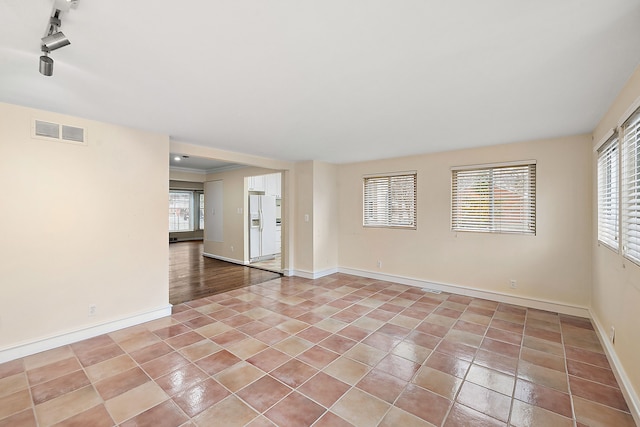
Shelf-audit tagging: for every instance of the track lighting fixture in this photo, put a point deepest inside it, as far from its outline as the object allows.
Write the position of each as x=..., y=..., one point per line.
x=54, y=38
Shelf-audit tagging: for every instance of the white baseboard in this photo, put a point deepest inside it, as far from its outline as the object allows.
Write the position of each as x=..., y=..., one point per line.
x=222, y=258
x=48, y=343
x=633, y=401
x=313, y=274
x=555, y=306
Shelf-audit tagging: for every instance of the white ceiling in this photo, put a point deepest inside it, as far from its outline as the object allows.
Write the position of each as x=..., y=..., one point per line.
x=330, y=80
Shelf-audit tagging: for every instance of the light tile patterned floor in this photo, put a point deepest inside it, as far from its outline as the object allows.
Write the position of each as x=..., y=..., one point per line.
x=337, y=351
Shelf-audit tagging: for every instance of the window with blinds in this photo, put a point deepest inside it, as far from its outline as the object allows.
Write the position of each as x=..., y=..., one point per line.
x=390, y=201
x=495, y=199
x=608, y=190
x=630, y=203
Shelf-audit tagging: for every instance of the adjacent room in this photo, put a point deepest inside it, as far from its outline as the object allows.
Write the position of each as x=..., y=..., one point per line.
x=431, y=210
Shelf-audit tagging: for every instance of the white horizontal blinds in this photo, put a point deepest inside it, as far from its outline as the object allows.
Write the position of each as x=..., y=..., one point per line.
x=500, y=199
x=631, y=187
x=608, y=191
x=390, y=201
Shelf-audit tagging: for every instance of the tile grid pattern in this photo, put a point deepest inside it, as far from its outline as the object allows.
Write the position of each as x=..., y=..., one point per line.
x=336, y=351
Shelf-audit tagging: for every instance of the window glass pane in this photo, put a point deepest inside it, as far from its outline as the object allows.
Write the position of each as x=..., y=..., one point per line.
x=390, y=201
x=495, y=200
x=608, y=193
x=631, y=188
x=180, y=215
x=201, y=216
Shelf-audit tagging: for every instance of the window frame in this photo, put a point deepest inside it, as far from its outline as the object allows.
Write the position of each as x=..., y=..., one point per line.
x=630, y=187
x=386, y=209
x=608, y=192
x=194, y=210
x=494, y=220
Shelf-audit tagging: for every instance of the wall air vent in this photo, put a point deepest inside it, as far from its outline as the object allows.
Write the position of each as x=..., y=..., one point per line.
x=61, y=133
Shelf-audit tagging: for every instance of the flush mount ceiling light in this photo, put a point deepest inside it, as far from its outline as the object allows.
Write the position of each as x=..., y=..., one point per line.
x=54, y=38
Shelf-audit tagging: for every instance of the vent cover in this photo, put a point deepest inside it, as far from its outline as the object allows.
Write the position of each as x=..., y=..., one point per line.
x=50, y=130
x=61, y=133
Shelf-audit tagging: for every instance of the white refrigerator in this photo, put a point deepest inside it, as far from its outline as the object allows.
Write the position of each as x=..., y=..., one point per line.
x=262, y=227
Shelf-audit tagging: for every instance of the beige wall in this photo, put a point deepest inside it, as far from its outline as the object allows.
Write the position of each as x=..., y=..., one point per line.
x=616, y=282
x=75, y=231
x=303, y=230
x=325, y=217
x=550, y=266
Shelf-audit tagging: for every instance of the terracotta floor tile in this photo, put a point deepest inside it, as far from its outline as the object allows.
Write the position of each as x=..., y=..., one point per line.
x=293, y=346
x=110, y=367
x=593, y=414
x=543, y=376
x=100, y=354
x=438, y=382
x=456, y=349
x=166, y=414
x=239, y=375
x=231, y=412
x=269, y=359
x=423, y=404
x=318, y=357
x=138, y=340
x=295, y=410
x=199, y=350
x=181, y=379
x=217, y=362
x=329, y=419
x=59, y=386
x=13, y=367
x=264, y=393
x=15, y=402
x=375, y=343
x=67, y=405
x=360, y=408
x=347, y=370
x=411, y=351
x=486, y=401
x=447, y=364
x=544, y=397
x=382, y=385
x=271, y=336
x=463, y=416
x=398, y=367
x=53, y=370
x=525, y=415
x=201, y=396
x=500, y=347
x=153, y=351
x=586, y=356
x=13, y=384
x=493, y=380
x=164, y=364
x=94, y=417
x=294, y=373
x=135, y=401
x=324, y=389
x=365, y=354
x=24, y=418
x=597, y=392
x=543, y=359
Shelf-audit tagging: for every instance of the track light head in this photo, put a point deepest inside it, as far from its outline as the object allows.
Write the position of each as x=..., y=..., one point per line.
x=55, y=41
x=46, y=65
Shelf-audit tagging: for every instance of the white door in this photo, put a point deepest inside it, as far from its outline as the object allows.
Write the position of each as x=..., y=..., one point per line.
x=268, y=225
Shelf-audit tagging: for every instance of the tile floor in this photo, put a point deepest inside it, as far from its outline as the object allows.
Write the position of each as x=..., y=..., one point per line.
x=337, y=351
x=274, y=264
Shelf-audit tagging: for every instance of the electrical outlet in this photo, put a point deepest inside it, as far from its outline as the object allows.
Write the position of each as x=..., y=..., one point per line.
x=92, y=310
x=379, y=264
x=513, y=283
x=612, y=335
x=231, y=248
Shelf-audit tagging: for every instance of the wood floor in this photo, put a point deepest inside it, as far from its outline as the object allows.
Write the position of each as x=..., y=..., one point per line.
x=193, y=276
